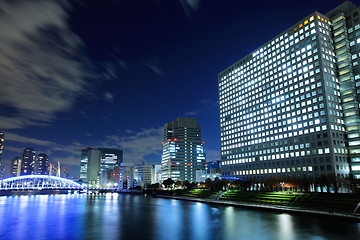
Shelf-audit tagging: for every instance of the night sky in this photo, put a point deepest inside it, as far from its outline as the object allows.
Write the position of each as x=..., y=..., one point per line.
x=111, y=73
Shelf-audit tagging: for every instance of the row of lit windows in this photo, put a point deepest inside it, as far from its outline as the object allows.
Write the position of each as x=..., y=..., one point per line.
x=250, y=156
x=262, y=76
x=292, y=107
x=276, y=92
x=254, y=89
x=264, y=157
x=279, y=137
x=252, y=86
x=276, y=56
x=276, y=43
x=279, y=106
x=225, y=105
x=273, y=170
x=283, y=170
x=273, y=123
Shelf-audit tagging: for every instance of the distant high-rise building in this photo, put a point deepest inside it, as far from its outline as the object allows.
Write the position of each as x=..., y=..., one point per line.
x=15, y=167
x=126, y=176
x=291, y=107
x=42, y=164
x=53, y=169
x=2, y=167
x=213, y=167
x=142, y=175
x=66, y=172
x=156, y=174
x=27, y=161
x=183, y=151
x=202, y=175
x=113, y=177
x=95, y=162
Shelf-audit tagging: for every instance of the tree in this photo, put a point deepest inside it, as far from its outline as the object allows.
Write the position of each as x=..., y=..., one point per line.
x=168, y=182
x=186, y=184
x=224, y=183
x=236, y=184
x=178, y=184
x=246, y=184
x=154, y=186
x=208, y=183
x=352, y=184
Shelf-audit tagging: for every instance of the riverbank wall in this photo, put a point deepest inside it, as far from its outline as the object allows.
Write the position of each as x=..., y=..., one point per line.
x=266, y=207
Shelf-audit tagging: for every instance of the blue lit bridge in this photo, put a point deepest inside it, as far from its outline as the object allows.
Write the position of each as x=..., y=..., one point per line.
x=38, y=182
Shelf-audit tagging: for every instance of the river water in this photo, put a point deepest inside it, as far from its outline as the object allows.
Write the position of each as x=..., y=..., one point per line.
x=132, y=217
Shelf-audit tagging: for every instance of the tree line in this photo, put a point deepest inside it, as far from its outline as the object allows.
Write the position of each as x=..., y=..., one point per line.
x=324, y=183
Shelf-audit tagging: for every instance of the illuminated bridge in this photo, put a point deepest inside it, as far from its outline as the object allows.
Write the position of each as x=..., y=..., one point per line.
x=38, y=182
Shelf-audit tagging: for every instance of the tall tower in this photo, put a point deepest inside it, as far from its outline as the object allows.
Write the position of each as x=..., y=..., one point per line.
x=345, y=29
x=183, y=150
x=66, y=172
x=15, y=167
x=42, y=164
x=27, y=162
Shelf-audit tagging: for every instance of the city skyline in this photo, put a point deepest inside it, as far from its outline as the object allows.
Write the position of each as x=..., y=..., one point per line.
x=117, y=72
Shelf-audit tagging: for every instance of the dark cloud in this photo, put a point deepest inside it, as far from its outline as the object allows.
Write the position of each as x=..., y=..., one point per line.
x=192, y=113
x=41, y=68
x=154, y=64
x=18, y=138
x=138, y=144
x=189, y=6
x=108, y=97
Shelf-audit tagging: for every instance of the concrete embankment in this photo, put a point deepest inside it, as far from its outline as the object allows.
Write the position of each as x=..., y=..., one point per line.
x=279, y=208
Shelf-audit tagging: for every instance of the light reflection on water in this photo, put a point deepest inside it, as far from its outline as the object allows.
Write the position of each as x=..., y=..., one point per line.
x=117, y=216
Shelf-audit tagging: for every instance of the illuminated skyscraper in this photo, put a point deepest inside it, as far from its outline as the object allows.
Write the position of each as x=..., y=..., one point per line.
x=95, y=162
x=66, y=172
x=345, y=32
x=42, y=164
x=27, y=162
x=126, y=176
x=183, y=150
x=15, y=167
x=291, y=107
x=142, y=175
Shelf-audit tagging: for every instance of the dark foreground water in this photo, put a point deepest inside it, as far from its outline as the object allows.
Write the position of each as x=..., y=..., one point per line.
x=130, y=217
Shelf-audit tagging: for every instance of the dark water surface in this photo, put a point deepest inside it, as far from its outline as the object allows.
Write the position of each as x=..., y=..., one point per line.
x=132, y=217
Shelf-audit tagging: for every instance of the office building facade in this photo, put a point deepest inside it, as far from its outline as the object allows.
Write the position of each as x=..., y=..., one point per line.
x=66, y=172
x=27, y=162
x=142, y=175
x=15, y=167
x=282, y=107
x=183, y=150
x=126, y=176
x=113, y=177
x=42, y=164
x=95, y=162
x=346, y=42
x=213, y=167
x=156, y=174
